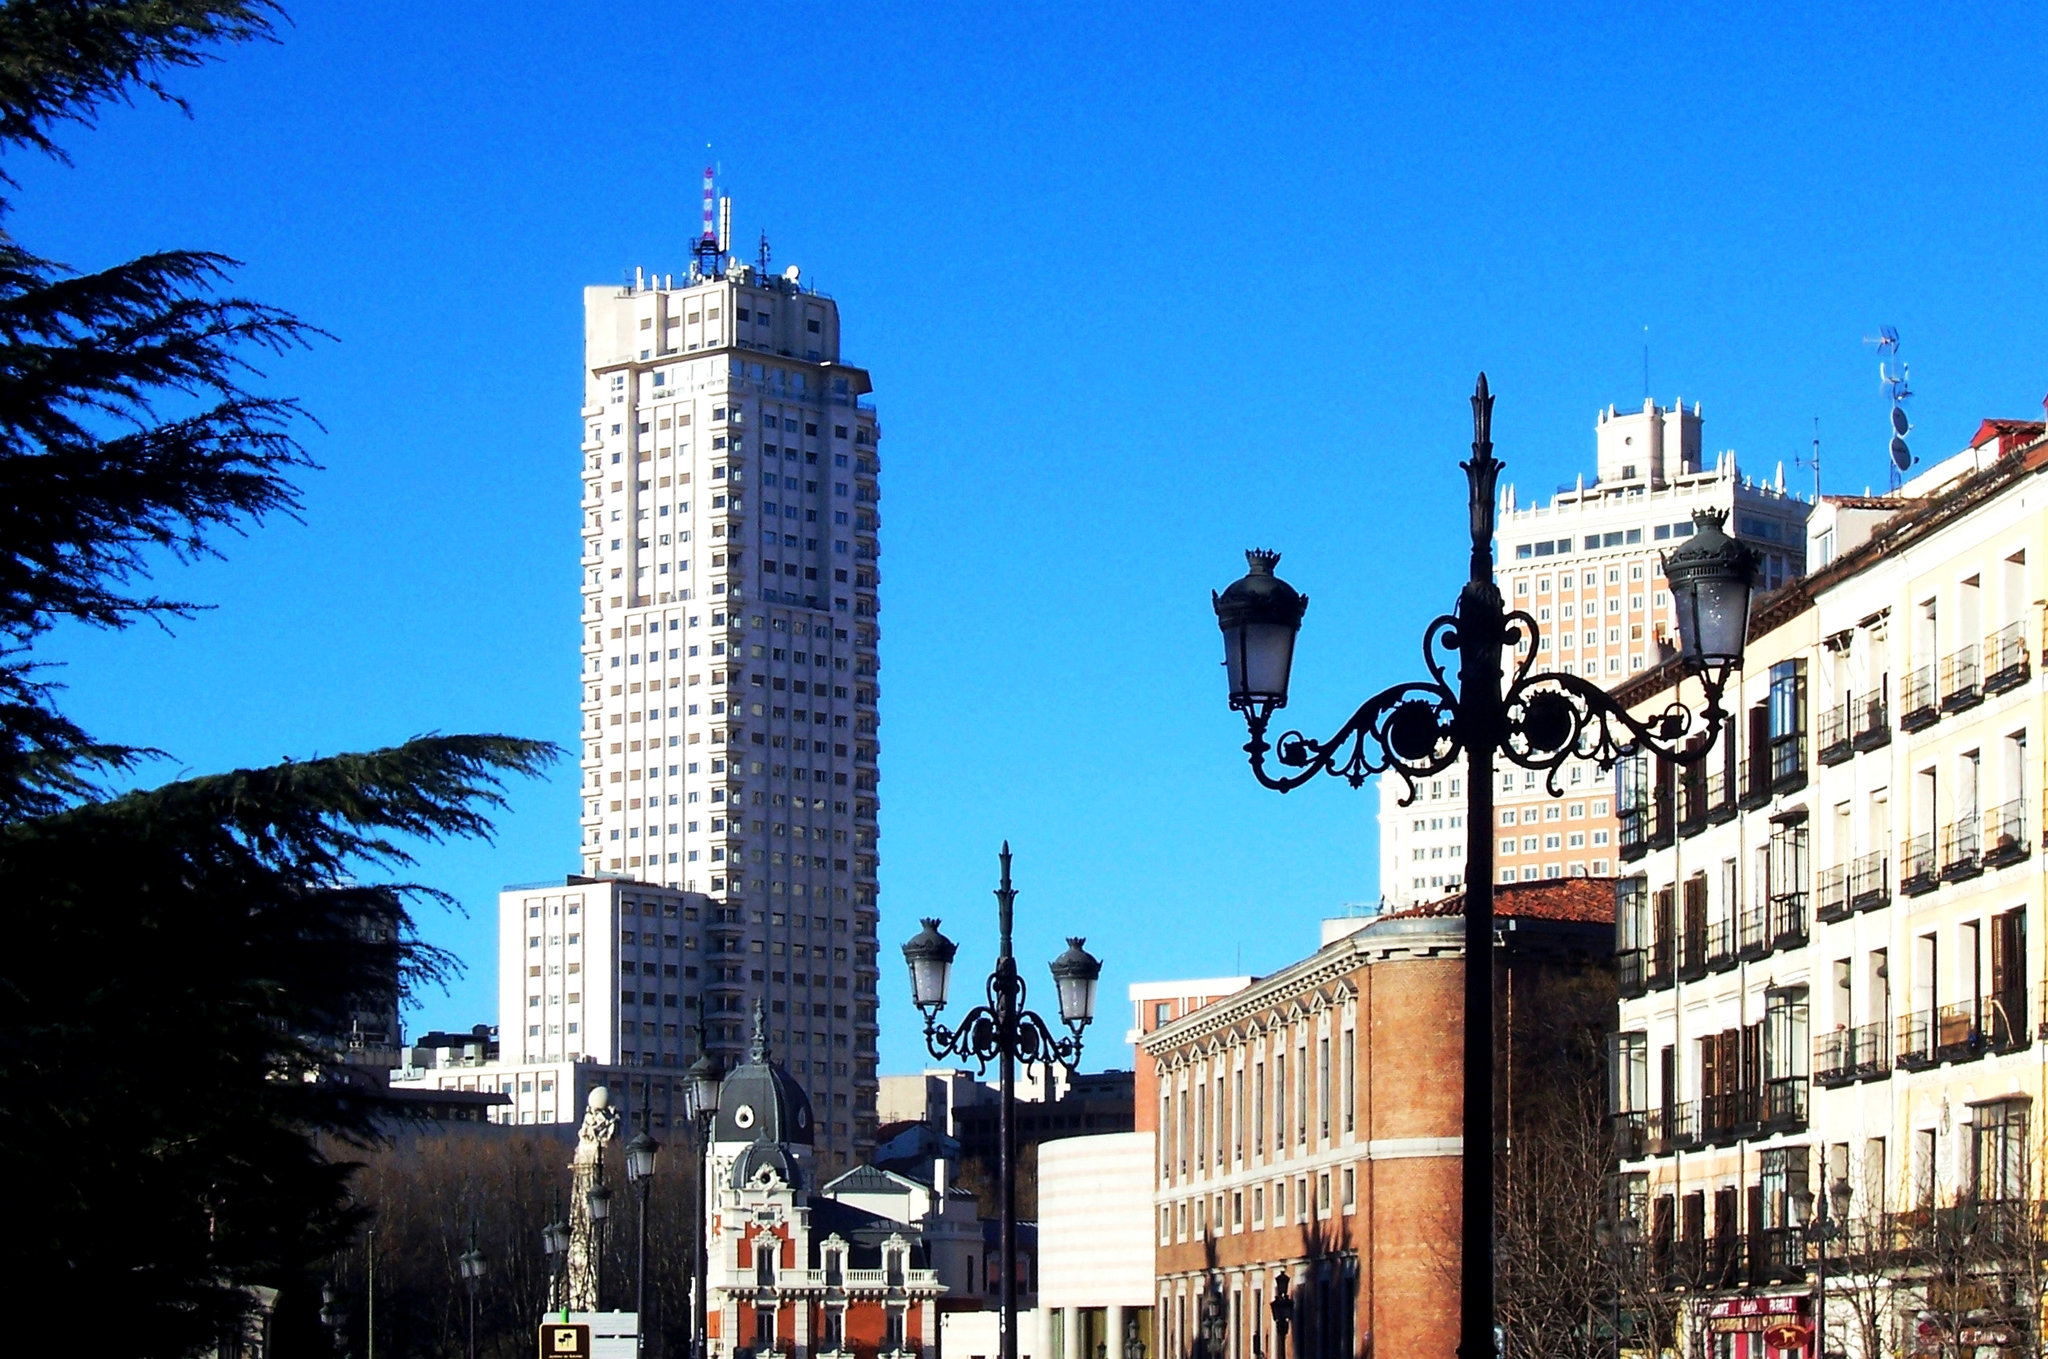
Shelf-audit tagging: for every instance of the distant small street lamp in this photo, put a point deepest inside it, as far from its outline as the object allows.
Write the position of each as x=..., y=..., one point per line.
x=1539, y=720
x=600, y=1200
x=554, y=1240
x=700, y=1101
x=1215, y=1322
x=641, y=1153
x=1004, y=1032
x=1283, y=1315
x=1820, y=1231
x=472, y=1263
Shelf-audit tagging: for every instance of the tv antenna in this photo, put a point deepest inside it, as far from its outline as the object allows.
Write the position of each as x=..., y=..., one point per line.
x=1814, y=461
x=764, y=254
x=706, y=250
x=1893, y=377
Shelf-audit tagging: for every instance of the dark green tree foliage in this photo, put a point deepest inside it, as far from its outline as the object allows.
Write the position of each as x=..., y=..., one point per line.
x=180, y=959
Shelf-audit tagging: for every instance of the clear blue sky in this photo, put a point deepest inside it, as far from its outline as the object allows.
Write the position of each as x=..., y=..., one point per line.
x=1138, y=289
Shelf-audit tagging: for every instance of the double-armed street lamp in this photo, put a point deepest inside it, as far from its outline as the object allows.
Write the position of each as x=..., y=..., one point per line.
x=1283, y=1315
x=700, y=1102
x=641, y=1152
x=472, y=1264
x=1004, y=1032
x=1821, y=1230
x=1538, y=720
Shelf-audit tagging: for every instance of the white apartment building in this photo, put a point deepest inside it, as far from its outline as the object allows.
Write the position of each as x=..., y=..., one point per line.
x=729, y=686
x=1586, y=567
x=1822, y=932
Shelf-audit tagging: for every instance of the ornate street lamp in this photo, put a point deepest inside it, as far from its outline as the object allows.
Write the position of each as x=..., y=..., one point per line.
x=1004, y=1032
x=472, y=1264
x=554, y=1242
x=1283, y=1315
x=1820, y=1231
x=700, y=1102
x=1537, y=720
x=641, y=1153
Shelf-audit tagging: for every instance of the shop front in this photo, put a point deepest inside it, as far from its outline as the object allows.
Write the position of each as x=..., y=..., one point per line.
x=1761, y=1328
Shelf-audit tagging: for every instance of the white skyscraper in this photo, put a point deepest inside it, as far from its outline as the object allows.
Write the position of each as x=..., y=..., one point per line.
x=729, y=656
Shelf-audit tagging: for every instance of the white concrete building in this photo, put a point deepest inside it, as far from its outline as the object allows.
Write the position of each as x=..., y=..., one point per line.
x=1586, y=567
x=729, y=658
x=1095, y=1252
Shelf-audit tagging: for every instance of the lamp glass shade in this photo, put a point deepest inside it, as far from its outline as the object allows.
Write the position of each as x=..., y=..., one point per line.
x=1259, y=615
x=700, y=1091
x=551, y=1239
x=1074, y=974
x=641, y=1151
x=930, y=956
x=1841, y=1195
x=600, y=1203
x=1800, y=1207
x=1711, y=579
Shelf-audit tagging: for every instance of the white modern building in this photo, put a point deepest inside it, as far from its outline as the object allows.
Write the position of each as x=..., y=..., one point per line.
x=1586, y=567
x=1095, y=1252
x=728, y=686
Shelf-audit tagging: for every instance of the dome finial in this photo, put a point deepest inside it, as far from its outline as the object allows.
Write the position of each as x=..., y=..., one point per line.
x=759, y=1050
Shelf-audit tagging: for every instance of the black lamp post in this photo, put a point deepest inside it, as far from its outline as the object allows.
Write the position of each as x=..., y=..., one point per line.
x=1820, y=1230
x=554, y=1242
x=1537, y=720
x=600, y=1200
x=472, y=1263
x=1283, y=1315
x=1618, y=1240
x=641, y=1153
x=1004, y=1032
x=700, y=1101
x=1215, y=1322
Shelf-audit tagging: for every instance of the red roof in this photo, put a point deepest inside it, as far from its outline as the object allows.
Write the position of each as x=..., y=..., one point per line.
x=1588, y=900
x=2010, y=434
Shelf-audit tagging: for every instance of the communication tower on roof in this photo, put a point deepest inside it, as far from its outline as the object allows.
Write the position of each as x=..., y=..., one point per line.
x=1892, y=375
x=708, y=247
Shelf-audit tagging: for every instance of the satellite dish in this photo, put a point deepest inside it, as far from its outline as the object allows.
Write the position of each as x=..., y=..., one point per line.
x=1901, y=457
x=1899, y=425
x=791, y=273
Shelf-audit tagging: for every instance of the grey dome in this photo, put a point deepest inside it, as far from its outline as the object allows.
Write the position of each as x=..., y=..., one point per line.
x=767, y=1165
x=761, y=1102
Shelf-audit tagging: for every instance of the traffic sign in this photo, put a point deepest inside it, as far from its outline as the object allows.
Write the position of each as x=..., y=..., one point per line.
x=564, y=1340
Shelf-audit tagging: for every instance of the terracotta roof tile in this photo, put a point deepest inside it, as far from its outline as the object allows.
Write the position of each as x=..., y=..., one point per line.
x=1589, y=900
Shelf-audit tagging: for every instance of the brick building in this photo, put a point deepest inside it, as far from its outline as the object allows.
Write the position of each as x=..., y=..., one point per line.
x=1308, y=1125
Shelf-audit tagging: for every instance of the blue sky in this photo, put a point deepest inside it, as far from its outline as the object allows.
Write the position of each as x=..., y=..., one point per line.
x=1138, y=288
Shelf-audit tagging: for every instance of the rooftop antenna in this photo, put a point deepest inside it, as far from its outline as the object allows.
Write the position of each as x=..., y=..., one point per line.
x=706, y=249
x=1892, y=376
x=764, y=254
x=724, y=224
x=1814, y=461
x=1646, y=363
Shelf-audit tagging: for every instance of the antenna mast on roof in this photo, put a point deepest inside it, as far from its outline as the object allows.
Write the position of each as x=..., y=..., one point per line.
x=1814, y=461
x=706, y=249
x=1892, y=377
x=764, y=254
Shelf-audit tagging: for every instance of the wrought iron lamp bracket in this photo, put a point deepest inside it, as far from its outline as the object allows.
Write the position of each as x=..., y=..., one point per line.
x=981, y=1037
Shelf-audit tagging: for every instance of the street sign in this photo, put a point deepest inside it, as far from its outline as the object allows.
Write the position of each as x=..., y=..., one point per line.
x=564, y=1340
x=1787, y=1335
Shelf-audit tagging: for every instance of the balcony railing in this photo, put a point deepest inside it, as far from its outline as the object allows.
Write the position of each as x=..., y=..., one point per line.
x=1962, y=844
x=1916, y=1040
x=1958, y=1032
x=1859, y=1054
x=1661, y=970
x=1631, y=965
x=2005, y=834
x=1831, y=733
x=1870, y=882
x=1873, y=726
x=1917, y=700
x=1788, y=762
x=1692, y=951
x=1831, y=893
x=1753, y=780
x=1784, y=1107
x=2006, y=663
x=1917, y=866
x=1720, y=797
x=1959, y=676
x=1630, y=1128
x=1631, y=836
x=2005, y=1020
x=1692, y=801
x=1753, y=940
x=1721, y=944
x=1788, y=920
